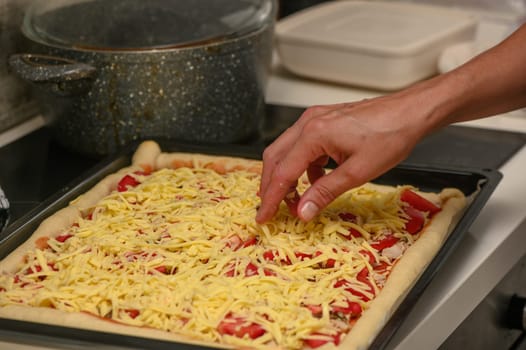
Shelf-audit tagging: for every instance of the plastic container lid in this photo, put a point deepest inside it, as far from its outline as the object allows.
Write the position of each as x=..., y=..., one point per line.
x=143, y=24
x=386, y=28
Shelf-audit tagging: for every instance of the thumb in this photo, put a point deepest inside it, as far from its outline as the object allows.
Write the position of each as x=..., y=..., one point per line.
x=325, y=190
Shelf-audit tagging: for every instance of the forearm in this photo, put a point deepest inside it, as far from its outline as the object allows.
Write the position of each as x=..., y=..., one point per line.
x=492, y=83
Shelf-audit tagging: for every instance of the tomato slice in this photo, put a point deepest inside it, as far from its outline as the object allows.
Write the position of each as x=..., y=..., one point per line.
x=418, y=202
x=239, y=327
x=126, y=182
x=386, y=242
x=416, y=220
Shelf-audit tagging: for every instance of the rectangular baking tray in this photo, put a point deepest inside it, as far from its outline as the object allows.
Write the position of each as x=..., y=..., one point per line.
x=478, y=184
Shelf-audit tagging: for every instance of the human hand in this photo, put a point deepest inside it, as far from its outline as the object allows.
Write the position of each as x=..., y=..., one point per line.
x=364, y=138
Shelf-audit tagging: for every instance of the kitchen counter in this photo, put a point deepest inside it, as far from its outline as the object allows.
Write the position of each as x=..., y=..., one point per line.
x=494, y=243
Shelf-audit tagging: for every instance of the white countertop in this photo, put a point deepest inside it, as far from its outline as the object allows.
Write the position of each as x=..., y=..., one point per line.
x=494, y=243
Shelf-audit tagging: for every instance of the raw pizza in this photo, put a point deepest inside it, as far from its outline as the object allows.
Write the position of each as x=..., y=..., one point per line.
x=168, y=248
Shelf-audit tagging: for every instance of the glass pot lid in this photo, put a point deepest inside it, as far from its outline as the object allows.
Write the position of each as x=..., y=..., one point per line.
x=143, y=24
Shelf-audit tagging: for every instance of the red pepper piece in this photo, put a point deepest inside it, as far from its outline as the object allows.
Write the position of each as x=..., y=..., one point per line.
x=126, y=182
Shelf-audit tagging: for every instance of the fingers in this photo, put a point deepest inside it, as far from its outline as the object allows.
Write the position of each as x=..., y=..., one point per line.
x=317, y=169
x=328, y=187
x=282, y=181
x=281, y=146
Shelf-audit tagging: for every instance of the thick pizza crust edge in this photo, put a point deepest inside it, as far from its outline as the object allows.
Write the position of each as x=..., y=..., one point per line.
x=149, y=157
x=405, y=273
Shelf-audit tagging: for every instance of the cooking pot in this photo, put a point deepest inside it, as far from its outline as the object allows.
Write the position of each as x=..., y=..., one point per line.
x=113, y=71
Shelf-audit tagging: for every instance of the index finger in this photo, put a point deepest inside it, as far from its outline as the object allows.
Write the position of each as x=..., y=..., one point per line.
x=285, y=175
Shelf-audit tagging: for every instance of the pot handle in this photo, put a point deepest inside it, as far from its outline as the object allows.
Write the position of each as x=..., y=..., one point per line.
x=62, y=76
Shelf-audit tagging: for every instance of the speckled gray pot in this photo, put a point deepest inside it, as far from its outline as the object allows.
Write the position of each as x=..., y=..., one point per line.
x=100, y=100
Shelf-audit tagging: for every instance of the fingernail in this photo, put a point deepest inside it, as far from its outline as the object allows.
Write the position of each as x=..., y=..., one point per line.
x=308, y=211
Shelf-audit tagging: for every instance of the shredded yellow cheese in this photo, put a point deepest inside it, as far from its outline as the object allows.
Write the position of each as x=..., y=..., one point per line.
x=181, y=252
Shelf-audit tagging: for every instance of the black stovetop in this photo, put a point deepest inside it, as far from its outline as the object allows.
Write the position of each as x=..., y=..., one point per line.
x=36, y=166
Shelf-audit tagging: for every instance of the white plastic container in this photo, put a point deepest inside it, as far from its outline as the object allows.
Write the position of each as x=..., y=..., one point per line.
x=381, y=45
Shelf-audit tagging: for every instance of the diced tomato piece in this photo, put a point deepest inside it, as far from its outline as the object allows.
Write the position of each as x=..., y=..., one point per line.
x=251, y=270
x=418, y=202
x=329, y=263
x=163, y=269
x=239, y=327
x=126, y=182
x=316, y=310
x=269, y=272
x=133, y=313
x=64, y=237
x=353, y=309
x=316, y=343
x=292, y=199
x=386, y=242
x=252, y=240
x=142, y=173
x=302, y=256
x=269, y=255
x=416, y=220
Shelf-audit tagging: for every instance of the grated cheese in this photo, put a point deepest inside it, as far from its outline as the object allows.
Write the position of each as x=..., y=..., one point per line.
x=162, y=255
